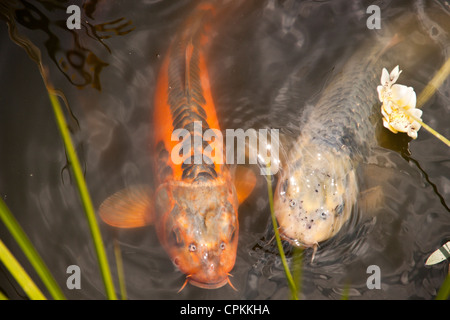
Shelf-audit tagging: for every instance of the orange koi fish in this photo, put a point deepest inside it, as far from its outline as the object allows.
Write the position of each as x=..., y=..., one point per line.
x=195, y=206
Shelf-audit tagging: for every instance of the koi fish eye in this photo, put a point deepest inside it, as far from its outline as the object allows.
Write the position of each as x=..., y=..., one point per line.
x=339, y=209
x=192, y=247
x=222, y=245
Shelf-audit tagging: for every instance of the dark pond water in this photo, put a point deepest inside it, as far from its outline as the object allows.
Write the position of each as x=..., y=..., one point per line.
x=268, y=60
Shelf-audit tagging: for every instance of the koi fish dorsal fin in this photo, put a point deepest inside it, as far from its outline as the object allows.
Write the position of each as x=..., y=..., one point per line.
x=128, y=208
x=244, y=182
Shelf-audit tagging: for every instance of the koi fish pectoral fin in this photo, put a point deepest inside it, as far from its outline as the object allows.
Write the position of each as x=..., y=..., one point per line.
x=375, y=190
x=128, y=208
x=371, y=200
x=244, y=182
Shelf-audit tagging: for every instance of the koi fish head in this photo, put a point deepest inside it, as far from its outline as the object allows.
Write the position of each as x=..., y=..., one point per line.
x=314, y=197
x=199, y=229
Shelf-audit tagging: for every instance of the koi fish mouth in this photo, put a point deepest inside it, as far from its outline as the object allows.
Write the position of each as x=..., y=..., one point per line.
x=294, y=241
x=208, y=285
x=299, y=244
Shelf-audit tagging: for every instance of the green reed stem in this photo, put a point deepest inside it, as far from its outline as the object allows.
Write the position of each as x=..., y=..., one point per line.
x=85, y=197
x=30, y=252
x=346, y=291
x=289, y=278
x=121, y=274
x=427, y=93
x=297, y=265
x=434, y=84
x=444, y=291
x=2, y=296
x=18, y=272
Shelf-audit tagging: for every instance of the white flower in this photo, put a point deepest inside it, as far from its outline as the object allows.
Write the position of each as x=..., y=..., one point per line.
x=403, y=96
x=399, y=104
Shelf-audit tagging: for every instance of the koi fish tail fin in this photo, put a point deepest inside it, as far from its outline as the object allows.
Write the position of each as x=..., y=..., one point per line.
x=199, y=22
x=128, y=208
x=208, y=15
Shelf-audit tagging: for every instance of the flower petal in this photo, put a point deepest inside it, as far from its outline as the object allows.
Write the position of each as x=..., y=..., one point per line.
x=399, y=91
x=385, y=77
x=388, y=107
x=401, y=94
x=412, y=133
x=400, y=122
x=395, y=73
x=415, y=125
x=408, y=101
x=384, y=113
x=416, y=112
x=412, y=100
x=381, y=91
x=388, y=126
